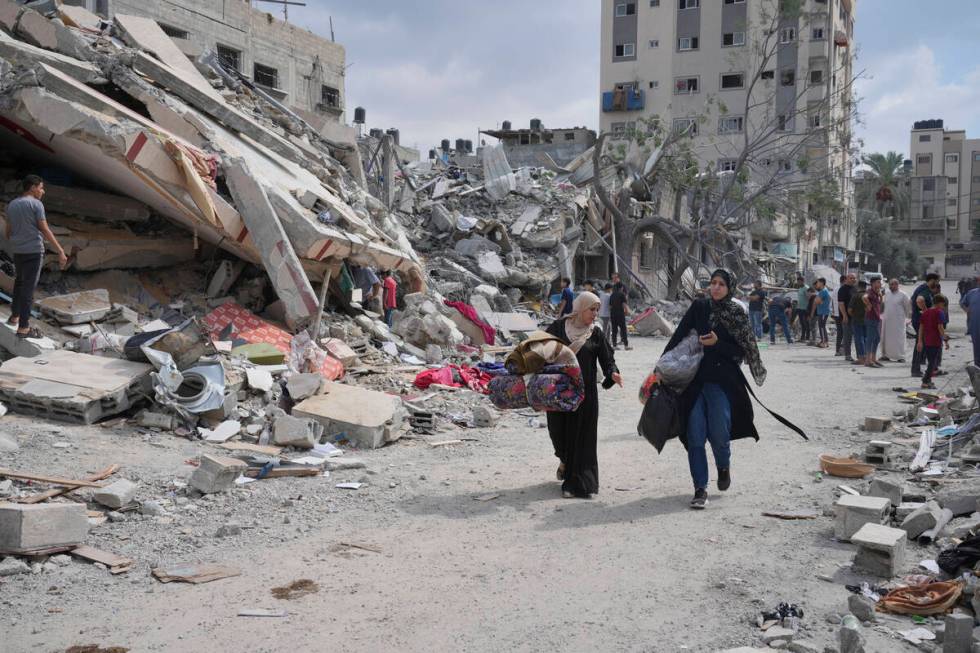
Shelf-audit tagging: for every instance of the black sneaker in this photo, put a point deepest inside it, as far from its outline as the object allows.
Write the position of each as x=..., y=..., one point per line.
x=700, y=499
x=724, y=479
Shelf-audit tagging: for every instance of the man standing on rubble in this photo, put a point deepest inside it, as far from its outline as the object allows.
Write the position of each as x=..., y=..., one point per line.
x=390, y=295
x=26, y=231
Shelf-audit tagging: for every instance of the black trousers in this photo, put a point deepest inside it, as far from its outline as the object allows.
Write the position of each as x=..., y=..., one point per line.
x=931, y=356
x=27, y=268
x=619, y=327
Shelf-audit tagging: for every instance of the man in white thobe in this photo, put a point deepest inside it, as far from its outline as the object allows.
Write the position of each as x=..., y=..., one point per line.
x=896, y=309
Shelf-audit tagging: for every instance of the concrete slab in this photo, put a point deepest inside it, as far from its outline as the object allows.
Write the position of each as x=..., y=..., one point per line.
x=93, y=204
x=72, y=387
x=368, y=418
x=79, y=17
x=20, y=53
x=278, y=257
x=77, y=307
x=25, y=528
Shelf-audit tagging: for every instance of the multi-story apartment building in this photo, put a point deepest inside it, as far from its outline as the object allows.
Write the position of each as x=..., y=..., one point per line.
x=730, y=68
x=301, y=69
x=947, y=163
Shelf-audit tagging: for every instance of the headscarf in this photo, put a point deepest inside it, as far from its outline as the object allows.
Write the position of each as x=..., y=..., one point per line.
x=578, y=334
x=733, y=318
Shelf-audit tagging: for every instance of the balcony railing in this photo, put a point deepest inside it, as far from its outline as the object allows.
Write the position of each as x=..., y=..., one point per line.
x=623, y=100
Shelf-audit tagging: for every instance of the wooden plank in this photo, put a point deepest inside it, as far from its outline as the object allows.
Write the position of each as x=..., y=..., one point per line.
x=54, y=480
x=110, y=560
x=57, y=492
x=269, y=450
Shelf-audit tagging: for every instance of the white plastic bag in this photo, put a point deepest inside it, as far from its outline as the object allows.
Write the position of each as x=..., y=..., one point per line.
x=677, y=368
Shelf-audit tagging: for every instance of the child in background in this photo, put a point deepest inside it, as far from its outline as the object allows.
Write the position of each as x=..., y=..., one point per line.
x=932, y=336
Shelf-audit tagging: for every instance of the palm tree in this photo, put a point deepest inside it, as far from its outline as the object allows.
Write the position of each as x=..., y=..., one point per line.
x=885, y=186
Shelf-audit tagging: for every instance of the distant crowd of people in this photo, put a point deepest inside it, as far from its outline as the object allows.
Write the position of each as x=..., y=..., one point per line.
x=613, y=306
x=867, y=317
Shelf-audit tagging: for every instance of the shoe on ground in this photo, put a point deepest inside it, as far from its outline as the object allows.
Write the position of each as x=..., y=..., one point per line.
x=724, y=479
x=565, y=494
x=700, y=499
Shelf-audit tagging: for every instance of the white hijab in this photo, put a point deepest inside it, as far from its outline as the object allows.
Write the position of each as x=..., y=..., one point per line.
x=579, y=334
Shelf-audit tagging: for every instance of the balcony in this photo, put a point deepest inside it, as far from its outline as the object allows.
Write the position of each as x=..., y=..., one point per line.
x=628, y=99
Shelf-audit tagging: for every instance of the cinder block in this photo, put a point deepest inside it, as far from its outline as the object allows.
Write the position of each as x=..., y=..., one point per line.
x=881, y=550
x=117, y=494
x=881, y=487
x=296, y=432
x=216, y=473
x=877, y=424
x=853, y=512
x=32, y=527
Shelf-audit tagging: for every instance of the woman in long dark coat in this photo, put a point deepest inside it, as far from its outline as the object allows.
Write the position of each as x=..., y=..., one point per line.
x=716, y=407
x=575, y=434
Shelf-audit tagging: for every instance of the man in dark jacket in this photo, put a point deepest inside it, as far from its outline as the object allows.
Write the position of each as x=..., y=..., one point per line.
x=618, y=310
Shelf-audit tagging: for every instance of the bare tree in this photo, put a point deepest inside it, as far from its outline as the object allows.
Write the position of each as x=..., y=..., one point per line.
x=787, y=165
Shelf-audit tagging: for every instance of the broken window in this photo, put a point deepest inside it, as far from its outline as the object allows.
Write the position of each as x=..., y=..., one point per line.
x=625, y=50
x=732, y=38
x=685, y=85
x=329, y=97
x=787, y=77
x=173, y=32
x=229, y=57
x=687, y=43
x=732, y=80
x=265, y=76
x=731, y=124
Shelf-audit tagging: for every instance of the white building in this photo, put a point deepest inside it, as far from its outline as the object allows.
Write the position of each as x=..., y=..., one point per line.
x=696, y=60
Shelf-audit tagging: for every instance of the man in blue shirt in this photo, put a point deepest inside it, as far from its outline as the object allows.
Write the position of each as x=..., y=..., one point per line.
x=567, y=297
x=921, y=300
x=820, y=313
x=971, y=304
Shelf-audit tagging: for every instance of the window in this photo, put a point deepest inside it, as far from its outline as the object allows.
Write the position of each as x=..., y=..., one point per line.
x=625, y=9
x=654, y=43
x=952, y=181
x=618, y=129
x=787, y=77
x=654, y=84
x=976, y=157
x=726, y=165
x=688, y=125
x=732, y=38
x=925, y=138
x=625, y=50
x=732, y=80
x=815, y=121
x=768, y=74
x=929, y=184
x=730, y=124
x=782, y=123
x=173, y=32
x=785, y=165
x=734, y=2
x=265, y=76
x=569, y=136
x=688, y=4
x=685, y=85
x=816, y=77
x=976, y=180
x=952, y=158
x=654, y=3
x=329, y=96
x=926, y=211
x=687, y=43
x=924, y=158
x=229, y=57
x=787, y=35
x=818, y=34
x=950, y=202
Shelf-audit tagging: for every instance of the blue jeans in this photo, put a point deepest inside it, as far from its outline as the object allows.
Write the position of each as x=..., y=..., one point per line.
x=778, y=316
x=710, y=421
x=860, y=337
x=756, y=318
x=388, y=313
x=872, y=336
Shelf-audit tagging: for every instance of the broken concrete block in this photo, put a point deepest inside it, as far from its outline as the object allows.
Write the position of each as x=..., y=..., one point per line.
x=216, y=473
x=906, y=508
x=958, y=633
x=853, y=512
x=34, y=527
x=13, y=567
x=881, y=487
x=116, y=495
x=339, y=350
x=224, y=431
x=485, y=417
x=343, y=463
x=877, y=424
x=778, y=633
x=959, y=503
x=881, y=549
x=441, y=219
x=369, y=418
x=295, y=432
x=301, y=386
x=921, y=520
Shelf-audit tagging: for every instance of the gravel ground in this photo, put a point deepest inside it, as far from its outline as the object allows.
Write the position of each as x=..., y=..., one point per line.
x=631, y=570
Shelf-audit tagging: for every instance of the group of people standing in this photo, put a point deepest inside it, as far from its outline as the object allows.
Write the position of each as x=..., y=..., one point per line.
x=613, y=306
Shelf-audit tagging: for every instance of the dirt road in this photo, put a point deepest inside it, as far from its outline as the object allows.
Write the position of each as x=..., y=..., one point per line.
x=632, y=570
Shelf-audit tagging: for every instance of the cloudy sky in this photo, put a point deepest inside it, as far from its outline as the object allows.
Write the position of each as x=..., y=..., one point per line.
x=439, y=69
